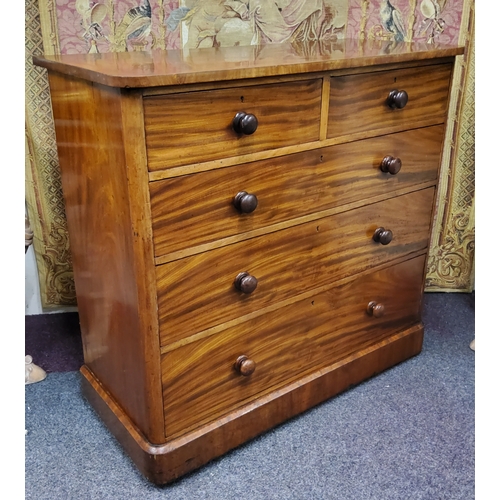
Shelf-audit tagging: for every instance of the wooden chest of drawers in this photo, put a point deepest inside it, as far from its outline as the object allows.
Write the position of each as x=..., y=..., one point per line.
x=249, y=229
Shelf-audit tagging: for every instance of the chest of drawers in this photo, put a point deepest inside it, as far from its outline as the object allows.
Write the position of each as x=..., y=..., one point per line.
x=249, y=230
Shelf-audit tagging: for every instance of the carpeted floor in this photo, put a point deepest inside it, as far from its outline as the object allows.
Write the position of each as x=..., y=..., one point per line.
x=407, y=434
x=54, y=341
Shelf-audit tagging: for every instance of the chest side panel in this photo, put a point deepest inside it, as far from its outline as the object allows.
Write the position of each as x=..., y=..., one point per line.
x=88, y=120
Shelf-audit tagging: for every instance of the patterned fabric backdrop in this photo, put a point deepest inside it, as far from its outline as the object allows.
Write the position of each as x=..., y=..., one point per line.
x=81, y=26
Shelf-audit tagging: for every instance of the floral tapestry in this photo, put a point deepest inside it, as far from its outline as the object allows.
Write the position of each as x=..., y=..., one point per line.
x=86, y=26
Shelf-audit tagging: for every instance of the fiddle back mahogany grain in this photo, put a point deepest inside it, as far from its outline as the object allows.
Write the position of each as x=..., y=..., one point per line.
x=249, y=230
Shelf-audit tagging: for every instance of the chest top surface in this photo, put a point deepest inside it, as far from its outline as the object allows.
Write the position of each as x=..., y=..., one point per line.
x=187, y=66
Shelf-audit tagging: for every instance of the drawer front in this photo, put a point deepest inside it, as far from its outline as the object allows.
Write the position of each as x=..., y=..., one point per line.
x=198, y=292
x=200, y=382
x=358, y=103
x=287, y=187
x=197, y=126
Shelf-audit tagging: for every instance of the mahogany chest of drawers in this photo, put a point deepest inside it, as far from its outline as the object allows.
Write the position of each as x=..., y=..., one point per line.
x=249, y=230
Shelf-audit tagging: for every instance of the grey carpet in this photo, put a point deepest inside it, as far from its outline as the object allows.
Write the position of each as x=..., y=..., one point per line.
x=406, y=434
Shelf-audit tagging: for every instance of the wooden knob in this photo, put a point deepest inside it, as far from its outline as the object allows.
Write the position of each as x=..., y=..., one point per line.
x=245, y=202
x=245, y=366
x=397, y=99
x=245, y=123
x=391, y=165
x=245, y=282
x=382, y=235
x=375, y=310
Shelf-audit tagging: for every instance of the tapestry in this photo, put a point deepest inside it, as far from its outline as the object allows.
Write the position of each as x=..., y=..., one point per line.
x=87, y=26
x=451, y=256
x=43, y=192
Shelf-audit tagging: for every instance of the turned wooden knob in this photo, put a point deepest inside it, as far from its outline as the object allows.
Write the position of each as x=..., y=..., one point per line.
x=391, y=165
x=382, y=235
x=245, y=202
x=245, y=123
x=375, y=310
x=397, y=99
x=245, y=366
x=245, y=282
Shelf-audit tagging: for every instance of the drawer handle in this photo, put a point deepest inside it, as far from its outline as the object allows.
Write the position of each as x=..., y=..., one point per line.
x=397, y=99
x=382, y=235
x=391, y=165
x=375, y=310
x=245, y=282
x=245, y=123
x=245, y=366
x=245, y=202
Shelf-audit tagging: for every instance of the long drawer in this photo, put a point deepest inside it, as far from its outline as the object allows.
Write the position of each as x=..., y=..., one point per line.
x=198, y=126
x=200, y=382
x=198, y=292
x=359, y=103
x=197, y=209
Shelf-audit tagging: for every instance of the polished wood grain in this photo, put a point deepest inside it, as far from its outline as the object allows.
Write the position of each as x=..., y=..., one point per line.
x=332, y=326
x=174, y=67
x=286, y=263
x=190, y=127
x=109, y=243
x=249, y=228
x=325, y=103
x=359, y=102
x=230, y=240
x=269, y=79
x=193, y=210
x=272, y=307
x=165, y=463
x=204, y=166
x=142, y=240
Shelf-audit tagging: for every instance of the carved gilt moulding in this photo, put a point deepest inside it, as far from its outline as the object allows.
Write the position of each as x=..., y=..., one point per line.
x=451, y=256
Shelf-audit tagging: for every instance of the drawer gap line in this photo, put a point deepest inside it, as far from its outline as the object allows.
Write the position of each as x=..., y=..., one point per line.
x=187, y=252
x=221, y=327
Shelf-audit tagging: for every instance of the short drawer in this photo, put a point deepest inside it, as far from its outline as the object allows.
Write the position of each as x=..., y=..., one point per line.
x=197, y=209
x=196, y=127
x=200, y=382
x=359, y=103
x=198, y=292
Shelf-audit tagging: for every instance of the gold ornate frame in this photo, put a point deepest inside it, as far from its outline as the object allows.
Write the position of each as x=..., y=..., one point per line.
x=451, y=256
